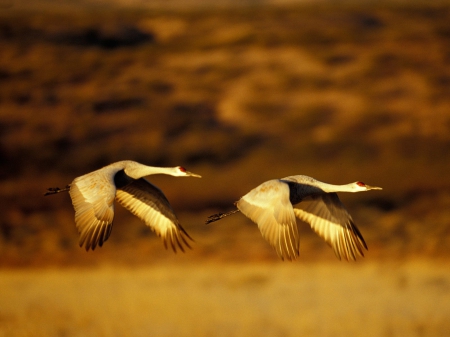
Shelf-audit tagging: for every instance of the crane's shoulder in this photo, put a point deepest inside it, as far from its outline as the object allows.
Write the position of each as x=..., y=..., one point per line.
x=267, y=191
x=270, y=186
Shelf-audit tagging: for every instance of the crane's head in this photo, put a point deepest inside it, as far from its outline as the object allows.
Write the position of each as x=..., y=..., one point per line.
x=180, y=171
x=359, y=186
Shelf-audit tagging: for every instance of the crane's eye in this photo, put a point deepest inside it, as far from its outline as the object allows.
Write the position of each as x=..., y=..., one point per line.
x=182, y=169
x=360, y=183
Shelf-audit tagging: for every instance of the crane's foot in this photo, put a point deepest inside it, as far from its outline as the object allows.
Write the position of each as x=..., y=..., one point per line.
x=219, y=216
x=54, y=190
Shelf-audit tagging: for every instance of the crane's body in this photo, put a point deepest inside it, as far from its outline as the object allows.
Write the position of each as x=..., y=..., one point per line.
x=275, y=204
x=93, y=196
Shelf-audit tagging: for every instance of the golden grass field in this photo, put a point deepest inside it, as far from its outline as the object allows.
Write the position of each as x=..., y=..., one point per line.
x=302, y=299
x=239, y=94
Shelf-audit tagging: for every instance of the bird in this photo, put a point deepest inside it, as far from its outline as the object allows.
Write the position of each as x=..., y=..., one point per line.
x=275, y=204
x=93, y=196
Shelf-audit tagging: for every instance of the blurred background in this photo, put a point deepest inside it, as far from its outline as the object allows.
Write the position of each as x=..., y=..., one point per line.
x=239, y=92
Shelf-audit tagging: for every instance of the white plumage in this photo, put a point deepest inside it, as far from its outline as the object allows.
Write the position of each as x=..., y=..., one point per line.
x=93, y=196
x=275, y=204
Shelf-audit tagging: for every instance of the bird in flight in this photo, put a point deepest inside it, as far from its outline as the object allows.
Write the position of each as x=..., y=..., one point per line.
x=275, y=204
x=93, y=196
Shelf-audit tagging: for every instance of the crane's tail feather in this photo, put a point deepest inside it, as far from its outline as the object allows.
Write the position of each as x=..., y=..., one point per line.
x=219, y=216
x=54, y=190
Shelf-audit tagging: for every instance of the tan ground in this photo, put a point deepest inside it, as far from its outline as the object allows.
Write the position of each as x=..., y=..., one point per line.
x=280, y=299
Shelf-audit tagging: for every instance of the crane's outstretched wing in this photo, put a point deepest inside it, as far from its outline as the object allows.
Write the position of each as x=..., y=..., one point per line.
x=269, y=207
x=149, y=204
x=93, y=199
x=331, y=221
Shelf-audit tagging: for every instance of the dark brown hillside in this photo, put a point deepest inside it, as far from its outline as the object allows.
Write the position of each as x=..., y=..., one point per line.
x=239, y=95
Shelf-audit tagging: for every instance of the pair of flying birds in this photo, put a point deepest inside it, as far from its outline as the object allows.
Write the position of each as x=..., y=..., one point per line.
x=273, y=206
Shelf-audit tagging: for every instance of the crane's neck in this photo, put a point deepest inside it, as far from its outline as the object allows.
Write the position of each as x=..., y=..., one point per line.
x=307, y=185
x=137, y=170
x=329, y=188
x=299, y=191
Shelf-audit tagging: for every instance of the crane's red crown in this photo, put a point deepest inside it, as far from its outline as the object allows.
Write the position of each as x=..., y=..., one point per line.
x=182, y=169
x=360, y=183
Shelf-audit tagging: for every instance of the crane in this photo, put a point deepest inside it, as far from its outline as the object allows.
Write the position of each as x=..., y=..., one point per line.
x=275, y=204
x=93, y=197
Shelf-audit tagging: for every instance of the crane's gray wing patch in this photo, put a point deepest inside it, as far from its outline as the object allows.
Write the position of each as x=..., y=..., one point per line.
x=269, y=207
x=93, y=200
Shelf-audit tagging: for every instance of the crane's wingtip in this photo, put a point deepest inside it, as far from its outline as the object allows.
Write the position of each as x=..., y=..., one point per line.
x=289, y=258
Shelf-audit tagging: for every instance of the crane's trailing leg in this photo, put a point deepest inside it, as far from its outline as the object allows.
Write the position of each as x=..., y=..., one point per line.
x=54, y=190
x=219, y=216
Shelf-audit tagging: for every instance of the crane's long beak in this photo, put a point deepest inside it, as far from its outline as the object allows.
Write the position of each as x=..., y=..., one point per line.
x=373, y=187
x=190, y=174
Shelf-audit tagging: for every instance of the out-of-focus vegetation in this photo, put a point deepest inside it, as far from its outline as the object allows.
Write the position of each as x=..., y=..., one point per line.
x=340, y=93
x=284, y=299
